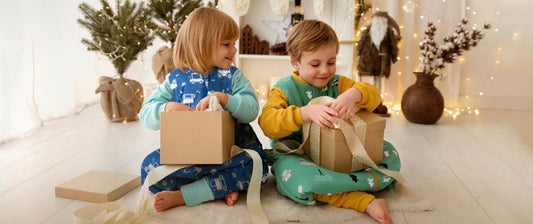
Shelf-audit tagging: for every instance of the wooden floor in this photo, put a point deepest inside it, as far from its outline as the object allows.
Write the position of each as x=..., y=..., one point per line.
x=474, y=169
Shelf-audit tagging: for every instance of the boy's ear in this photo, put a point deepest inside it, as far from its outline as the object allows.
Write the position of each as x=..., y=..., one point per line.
x=295, y=64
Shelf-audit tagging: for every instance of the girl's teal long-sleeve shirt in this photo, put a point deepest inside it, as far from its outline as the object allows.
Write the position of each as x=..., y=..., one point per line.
x=242, y=102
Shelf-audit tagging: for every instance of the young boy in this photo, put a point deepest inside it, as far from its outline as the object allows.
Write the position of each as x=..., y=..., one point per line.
x=312, y=47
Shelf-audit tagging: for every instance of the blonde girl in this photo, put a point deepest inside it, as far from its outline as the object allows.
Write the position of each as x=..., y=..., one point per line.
x=204, y=53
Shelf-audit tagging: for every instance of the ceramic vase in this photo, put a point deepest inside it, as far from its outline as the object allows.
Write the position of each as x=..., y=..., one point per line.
x=422, y=102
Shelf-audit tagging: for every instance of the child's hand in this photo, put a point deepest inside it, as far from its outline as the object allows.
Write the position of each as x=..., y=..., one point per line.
x=345, y=102
x=204, y=103
x=321, y=114
x=173, y=106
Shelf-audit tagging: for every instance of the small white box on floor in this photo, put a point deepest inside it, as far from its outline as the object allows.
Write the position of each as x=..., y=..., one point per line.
x=98, y=186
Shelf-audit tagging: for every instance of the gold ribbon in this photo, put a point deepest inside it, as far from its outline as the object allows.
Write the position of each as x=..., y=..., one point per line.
x=353, y=134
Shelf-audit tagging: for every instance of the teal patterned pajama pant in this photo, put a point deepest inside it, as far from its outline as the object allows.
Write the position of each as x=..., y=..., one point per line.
x=299, y=178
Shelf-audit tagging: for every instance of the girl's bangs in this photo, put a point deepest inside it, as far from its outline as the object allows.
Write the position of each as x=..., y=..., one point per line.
x=230, y=30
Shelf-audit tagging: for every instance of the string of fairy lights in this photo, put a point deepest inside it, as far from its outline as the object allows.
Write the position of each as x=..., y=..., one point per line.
x=424, y=14
x=427, y=14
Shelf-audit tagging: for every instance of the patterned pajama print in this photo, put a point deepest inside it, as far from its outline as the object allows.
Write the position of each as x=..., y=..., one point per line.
x=233, y=175
x=299, y=178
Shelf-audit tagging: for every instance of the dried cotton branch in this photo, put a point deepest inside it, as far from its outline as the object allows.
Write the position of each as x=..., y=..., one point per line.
x=433, y=57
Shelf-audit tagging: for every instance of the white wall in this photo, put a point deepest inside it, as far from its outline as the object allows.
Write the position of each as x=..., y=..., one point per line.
x=43, y=36
x=504, y=77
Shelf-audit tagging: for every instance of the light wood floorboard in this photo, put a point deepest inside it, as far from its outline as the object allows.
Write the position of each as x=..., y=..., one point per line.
x=474, y=169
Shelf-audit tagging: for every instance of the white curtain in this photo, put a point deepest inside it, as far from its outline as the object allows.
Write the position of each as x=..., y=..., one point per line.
x=412, y=16
x=45, y=71
x=17, y=115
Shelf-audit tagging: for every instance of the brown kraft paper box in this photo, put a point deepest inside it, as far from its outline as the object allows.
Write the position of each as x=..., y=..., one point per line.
x=334, y=152
x=196, y=137
x=98, y=186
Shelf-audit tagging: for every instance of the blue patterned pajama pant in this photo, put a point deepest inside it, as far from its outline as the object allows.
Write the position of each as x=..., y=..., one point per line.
x=232, y=176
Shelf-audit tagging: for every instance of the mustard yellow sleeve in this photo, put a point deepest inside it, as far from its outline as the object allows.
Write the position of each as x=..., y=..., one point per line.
x=278, y=119
x=357, y=200
x=371, y=96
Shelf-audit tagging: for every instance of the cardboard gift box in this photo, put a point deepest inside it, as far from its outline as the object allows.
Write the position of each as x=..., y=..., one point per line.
x=334, y=152
x=98, y=186
x=196, y=137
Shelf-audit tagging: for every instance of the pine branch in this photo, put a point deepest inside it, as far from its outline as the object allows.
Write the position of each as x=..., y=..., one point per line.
x=168, y=15
x=120, y=36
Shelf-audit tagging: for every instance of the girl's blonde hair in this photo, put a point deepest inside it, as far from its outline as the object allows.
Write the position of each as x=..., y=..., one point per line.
x=199, y=37
x=309, y=35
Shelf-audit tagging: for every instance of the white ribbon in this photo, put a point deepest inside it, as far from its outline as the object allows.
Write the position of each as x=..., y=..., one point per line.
x=253, y=200
x=214, y=105
x=111, y=212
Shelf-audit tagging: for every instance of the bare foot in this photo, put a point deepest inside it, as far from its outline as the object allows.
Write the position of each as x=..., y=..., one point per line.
x=167, y=199
x=231, y=198
x=378, y=209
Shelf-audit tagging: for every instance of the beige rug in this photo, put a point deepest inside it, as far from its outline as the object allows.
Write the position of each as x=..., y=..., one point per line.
x=280, y=209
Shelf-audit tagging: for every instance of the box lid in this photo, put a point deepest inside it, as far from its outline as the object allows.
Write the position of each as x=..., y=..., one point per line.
x=371, y=119
x=98, y=186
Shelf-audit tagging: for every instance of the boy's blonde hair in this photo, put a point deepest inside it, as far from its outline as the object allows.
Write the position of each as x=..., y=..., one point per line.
x=199, y=37
x=309, y=35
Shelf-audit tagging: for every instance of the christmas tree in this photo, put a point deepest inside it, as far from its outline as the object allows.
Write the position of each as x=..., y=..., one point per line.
x=122, y=35
x=168, y=15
